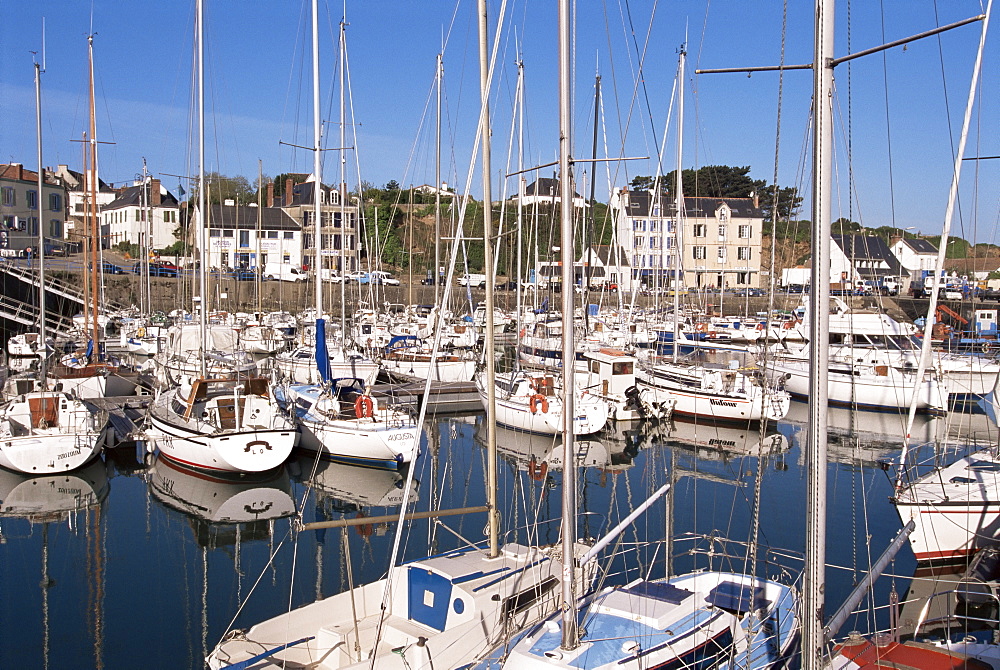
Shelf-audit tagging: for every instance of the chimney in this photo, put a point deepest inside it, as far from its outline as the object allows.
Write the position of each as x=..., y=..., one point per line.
x=154, y=193
x=288, y=192
x=270, y=194
x=756, y=200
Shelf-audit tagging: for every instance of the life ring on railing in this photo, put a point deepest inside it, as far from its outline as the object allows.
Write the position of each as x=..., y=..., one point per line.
x=141, y=333
x=538, y=401
x=365, y=529
x=364, y=407
x=701, y=327
x=760, y=326
x=985, y=348
x=537, y=471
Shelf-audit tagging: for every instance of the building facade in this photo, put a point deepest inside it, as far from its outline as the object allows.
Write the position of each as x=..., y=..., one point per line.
x=718, y=243
x=145, y=213
x=22, y=212
x=340, y=227
x=240, y=236
x=77, y=198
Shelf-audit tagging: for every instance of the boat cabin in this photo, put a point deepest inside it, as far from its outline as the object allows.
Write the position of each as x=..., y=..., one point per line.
x=612, y=370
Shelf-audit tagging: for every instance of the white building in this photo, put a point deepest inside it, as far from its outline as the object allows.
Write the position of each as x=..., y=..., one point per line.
x=720, y=239
x=144, y=213
x=250, y=236
x=78, y=197
x=546, y=191
x=915, y=254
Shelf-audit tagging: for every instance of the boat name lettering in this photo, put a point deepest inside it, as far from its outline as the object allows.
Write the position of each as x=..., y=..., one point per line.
x=399, y=436
x=257, y=447
x=722, y=403
x=68, y=454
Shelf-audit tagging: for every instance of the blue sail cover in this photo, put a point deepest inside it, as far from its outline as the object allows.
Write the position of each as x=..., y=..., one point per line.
x=90, y=349
x=322, y=355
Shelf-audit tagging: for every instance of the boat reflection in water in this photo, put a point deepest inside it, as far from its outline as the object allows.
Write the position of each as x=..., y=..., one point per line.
x=717, y=441
x=351, y=485
x=52, y=497
x=214, y=502
x=857, y=437
x=538, y=454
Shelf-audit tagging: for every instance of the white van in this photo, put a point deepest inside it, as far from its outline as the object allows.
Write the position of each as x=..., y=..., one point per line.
x=473, y=280
x=283, y=272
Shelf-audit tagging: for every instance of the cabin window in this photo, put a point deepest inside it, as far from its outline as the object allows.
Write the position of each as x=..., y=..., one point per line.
x=595, y=367
x=621, y=368
x=526, y=598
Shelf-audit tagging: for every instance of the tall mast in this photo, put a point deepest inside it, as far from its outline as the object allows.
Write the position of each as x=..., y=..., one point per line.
x=822, y=101
x=570, y=634
x=488, y=342
x=437, y=186
x=260, y=216
x=342, y=189
x=94, y=229
x=317, y=167
x=41, y=229
x=202, y=214
x=678, y=199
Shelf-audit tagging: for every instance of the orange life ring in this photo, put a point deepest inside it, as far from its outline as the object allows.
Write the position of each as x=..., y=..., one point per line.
x=760, y=326
x=365, y=529
x=701, y=327
x=364, y=407
x=536, y=471
x=539, y=401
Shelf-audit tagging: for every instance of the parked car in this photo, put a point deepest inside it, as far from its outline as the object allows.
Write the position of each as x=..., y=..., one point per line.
x=507, y=286
x=283, y=272
x=157, y=269
x=328, y=275
x=945, y=293
x=245, y=274
x=358, y=276
x=380, y=277
x=109, y=268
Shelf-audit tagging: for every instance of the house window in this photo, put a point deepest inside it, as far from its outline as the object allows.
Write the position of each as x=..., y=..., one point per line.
x=307, y=241
x=654, y=242
x=723, y=215
x=288, y=234
x=327, y=241
x=10, y=222
x=7, y=197
x=700, y=229
x=55, y=202
x=227, y=233
x=670, y=226
x=722, y=254
x=244, y=238
x=214, y=232
x=640, y=242
x=272, y=234
x=743, y=253
x=653, y=226
x=169, y=216
x=700, y=253
x=745, y=231
x=33, y=226
x=669, y=243
x=635, y=260
x=722, y=231
x=32, y=199
x=56, y=228
x=743, y=278
x=224, y=259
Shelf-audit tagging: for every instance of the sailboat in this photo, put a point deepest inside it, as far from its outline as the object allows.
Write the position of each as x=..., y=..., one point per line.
x=704, y=619
x=336, y=415
x=43, y=430
x=440, y=612
x=230, y=423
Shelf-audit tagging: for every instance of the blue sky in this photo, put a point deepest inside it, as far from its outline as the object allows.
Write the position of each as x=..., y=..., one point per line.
x=258, y=87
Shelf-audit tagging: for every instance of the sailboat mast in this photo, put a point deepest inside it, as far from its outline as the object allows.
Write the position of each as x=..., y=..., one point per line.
x=94, y=229
x=437, y=185
x=815, y=566
x=570, y=633
x=678, y=201
x=488, y=339
x=41, y=229
x=343, y=174
x=202, y=244
x=317, y=168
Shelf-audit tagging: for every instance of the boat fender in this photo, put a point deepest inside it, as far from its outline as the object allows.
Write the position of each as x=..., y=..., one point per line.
x=365, y=529
x=538, y=401
x=364, y=407
x=536, y=470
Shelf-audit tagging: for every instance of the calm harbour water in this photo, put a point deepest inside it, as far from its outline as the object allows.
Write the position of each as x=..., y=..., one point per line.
x=136, y=563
